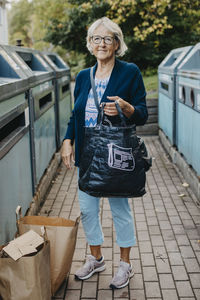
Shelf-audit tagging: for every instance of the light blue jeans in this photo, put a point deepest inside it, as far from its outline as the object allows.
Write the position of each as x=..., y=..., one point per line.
x=122, y=217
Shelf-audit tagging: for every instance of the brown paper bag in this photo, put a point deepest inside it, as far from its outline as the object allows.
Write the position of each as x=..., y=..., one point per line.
x=62, y=234
x=28, y=278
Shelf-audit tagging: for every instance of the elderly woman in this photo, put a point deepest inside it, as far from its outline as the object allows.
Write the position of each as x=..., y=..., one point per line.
x=114, y=80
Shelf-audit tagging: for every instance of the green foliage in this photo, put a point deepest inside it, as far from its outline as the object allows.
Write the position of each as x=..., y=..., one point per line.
x=151, y=28
x=19, y=19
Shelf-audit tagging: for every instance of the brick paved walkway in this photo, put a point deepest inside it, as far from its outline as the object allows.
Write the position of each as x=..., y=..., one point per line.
x=166, y=258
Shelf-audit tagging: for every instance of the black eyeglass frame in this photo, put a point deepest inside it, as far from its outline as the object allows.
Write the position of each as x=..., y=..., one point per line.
x=103, y=38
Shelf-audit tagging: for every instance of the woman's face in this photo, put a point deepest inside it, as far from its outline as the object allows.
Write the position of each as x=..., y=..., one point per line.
x=105, y=50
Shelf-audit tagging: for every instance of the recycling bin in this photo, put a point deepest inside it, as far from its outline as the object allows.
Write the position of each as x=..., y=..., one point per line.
x=15, y=153
x=188, y=108
x=167, y=73
x=62, y=92
x=42, y=106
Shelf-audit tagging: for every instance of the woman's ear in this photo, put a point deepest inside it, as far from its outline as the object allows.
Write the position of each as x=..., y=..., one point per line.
x=117, y=45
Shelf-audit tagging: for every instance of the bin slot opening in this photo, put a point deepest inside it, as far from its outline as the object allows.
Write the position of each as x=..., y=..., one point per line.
x=172, y=59
x=65, y=88
x=10, y=127
x=164, y=86
x=57, y=61
x=30, y=59
x=45, y=100
x=183, y=94
x=6, y=70
x=192, y=98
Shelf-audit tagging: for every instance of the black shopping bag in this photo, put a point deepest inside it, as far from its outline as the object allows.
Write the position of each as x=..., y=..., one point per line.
x=114, y=160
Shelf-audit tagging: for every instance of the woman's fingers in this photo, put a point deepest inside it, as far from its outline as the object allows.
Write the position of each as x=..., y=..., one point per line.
x=110, y=107
x=67, y=154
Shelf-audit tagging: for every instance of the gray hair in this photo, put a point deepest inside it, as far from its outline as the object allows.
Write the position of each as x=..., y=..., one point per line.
x=112, y=27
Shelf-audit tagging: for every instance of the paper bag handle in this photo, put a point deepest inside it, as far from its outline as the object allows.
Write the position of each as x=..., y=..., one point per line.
x=18, y=212
x=77, y=220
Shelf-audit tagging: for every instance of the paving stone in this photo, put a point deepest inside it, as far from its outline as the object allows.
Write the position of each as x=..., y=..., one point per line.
x=143, y=236
x=168, y=235
x=104, y=295
x=187, y=298
x=154, y=230
x=179, y=273
x=197, y=293
x=145, y=247
x=136, y=282
x=184, y=289
x=175, y=220
x=195, y=280
x=141, y=225
x=171, y=246
x=175, y=259
x=72, y=295
x=147, y=259
x=121, y=293
x=152, y=221
x=166, y=281
x=170, y=294
x=192, y=265
x=172, y=212
x=89, y=290
x=104, y=281
x=163, y=266
x=163, y=219
x=137, y=266
x=137, y=295
x=187, y=252
x=160, y=252
x=195, y=245
x=73, y=284
x=150, y=274
x=182, y=240
x=152, y=289
x=157, y=240
x=140, y=218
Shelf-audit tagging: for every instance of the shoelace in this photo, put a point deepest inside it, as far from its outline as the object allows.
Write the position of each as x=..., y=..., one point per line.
x=121, y=270
x=89, y=262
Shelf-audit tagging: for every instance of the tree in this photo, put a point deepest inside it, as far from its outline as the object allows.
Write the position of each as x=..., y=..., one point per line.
x=19, y=19
x=151, y=27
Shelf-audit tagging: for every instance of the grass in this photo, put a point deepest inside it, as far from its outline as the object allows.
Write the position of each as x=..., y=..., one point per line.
x=151, y=85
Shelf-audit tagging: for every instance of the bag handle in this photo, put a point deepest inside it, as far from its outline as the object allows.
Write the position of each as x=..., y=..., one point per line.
x=101, y=111
x=94, y=90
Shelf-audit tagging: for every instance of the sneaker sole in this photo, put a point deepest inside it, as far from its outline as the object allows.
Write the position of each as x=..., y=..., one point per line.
x=113, y=287
x=90, y=274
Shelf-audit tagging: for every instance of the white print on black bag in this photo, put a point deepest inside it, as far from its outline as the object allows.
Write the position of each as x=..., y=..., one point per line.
x=120, y=158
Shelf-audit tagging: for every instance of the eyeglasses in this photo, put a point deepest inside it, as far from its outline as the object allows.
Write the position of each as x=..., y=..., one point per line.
x=107, y=39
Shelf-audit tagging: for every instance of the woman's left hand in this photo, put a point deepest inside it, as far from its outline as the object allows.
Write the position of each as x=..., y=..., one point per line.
x=111, y=110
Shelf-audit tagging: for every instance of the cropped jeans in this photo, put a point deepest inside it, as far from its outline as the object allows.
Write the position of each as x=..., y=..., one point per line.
x=122, y=217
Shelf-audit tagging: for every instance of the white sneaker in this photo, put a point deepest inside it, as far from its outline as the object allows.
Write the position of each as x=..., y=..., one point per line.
x=90, y=267
x=121, y=278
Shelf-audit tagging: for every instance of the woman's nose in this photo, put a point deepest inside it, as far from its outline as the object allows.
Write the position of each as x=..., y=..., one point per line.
x=102, y=42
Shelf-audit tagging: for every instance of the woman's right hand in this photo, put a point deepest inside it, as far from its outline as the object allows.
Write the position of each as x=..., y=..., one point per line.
x=67, y=153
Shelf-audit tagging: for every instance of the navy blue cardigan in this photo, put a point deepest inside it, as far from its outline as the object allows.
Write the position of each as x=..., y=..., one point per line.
x=125, y=81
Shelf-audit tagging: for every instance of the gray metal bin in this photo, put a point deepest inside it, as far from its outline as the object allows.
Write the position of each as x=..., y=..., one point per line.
x=167, y=72
x=42, y=104
x=63, y=93
x=188, y=108
x=15, y=154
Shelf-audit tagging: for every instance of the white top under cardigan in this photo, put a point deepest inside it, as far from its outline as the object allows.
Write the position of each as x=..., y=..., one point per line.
x=90, y=109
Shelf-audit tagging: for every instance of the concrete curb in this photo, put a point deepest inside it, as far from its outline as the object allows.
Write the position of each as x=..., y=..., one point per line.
x=44, y=185
x=181, y=163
